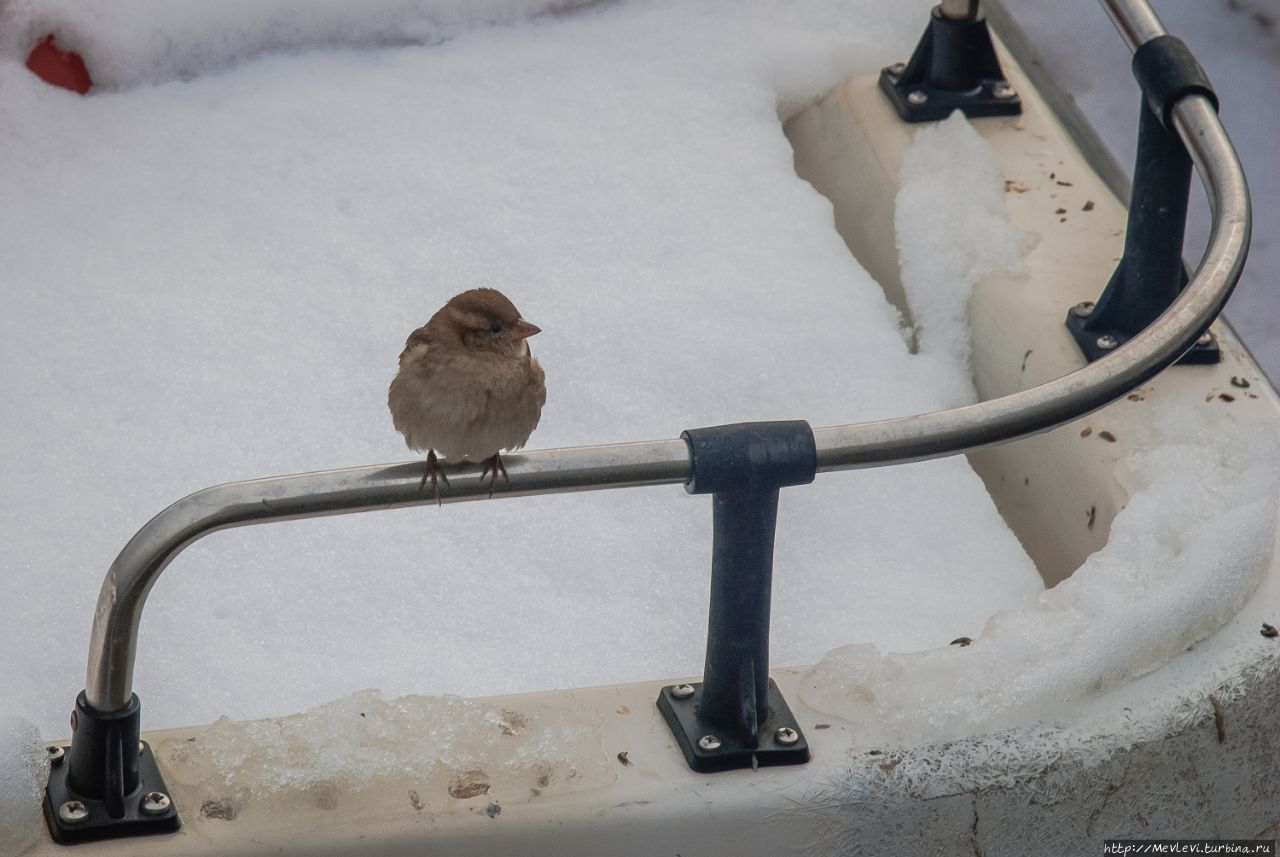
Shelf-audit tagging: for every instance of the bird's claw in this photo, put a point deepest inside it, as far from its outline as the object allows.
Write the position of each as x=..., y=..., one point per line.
x=494, y=463
x=436, y=473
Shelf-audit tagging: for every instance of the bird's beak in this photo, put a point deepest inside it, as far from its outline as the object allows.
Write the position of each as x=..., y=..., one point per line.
x=524, y=330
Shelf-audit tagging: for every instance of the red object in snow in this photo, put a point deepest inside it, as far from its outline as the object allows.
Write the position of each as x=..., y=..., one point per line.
x=58, y=67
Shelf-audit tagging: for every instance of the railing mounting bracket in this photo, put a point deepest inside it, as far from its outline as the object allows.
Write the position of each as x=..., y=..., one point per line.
x=1151, y=274
x=107, y=783
x=954, y=67
x=736, y=717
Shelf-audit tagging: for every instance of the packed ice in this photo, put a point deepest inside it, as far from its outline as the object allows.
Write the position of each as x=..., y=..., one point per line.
x=347, y=743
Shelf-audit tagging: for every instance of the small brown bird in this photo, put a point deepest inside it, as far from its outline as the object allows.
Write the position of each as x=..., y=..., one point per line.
x=468, y=385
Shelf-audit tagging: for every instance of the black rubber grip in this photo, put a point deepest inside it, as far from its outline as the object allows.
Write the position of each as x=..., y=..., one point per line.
x=1167, y=72
x=750, y=456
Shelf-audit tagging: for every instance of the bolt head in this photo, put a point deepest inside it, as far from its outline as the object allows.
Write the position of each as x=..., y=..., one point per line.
x=73, y=812
x=916, y=98
x=1107, y=342
x=1003, y=90
x=786, y=735
x=682, y=691
x=897, y=69
x=709, y=742
x=1206, y=340
x=1084, y=309
x=155, y=803
x=55, y=754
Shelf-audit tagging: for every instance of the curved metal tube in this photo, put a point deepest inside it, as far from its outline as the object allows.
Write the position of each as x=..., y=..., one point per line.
x=1136, y=21
x=1050, y=404
x=114, y=637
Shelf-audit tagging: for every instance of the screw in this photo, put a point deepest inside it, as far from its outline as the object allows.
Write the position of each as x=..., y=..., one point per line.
x=1003, y=90
x=682, y=691
x=897, y=69
x=155, y=803
x=142, y=747
x=1084, y=309
x=73, y=812
x=786, y=735
x=916, y=97
x=709, y=742
x=55, y=754
x=1107, y=342
x=1206, y=340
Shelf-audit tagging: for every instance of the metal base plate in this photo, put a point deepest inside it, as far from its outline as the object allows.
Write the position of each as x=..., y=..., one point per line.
x=1203, y=353
x=939, y=103
x=727, y=753
x=98, y=824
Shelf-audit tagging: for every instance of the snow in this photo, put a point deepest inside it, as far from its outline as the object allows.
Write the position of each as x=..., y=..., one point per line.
x=967, y=218
x=216, y=256
x=128, y=43
x=24, y=769
x=212, y=274
x=1182, y=559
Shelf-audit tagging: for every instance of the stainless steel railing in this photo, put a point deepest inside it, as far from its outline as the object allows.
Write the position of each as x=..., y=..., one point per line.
x=114, y=638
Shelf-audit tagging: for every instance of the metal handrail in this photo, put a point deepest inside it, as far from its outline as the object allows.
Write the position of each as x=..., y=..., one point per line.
x=1136, y=21
x=114, y=637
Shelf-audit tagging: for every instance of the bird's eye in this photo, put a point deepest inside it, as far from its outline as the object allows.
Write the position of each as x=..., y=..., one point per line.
x=495, y=327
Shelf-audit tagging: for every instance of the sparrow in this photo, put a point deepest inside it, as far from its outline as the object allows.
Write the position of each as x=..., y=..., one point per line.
x=468, y=386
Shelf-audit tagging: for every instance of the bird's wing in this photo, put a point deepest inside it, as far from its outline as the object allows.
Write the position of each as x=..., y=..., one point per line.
x=418, y=337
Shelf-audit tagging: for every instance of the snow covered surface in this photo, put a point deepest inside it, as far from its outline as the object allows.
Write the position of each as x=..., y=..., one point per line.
x=951, y=195
x=210, y=278
x=1183, y=558
x=217, y=258
x=24, y=769
x=127, y=43
x=1238, y=43
x=214, y=264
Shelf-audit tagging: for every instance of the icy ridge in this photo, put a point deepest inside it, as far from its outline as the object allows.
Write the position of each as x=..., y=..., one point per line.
x=1184, y=556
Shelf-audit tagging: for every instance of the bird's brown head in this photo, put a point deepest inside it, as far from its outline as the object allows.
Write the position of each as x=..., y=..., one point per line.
x=484, y=320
